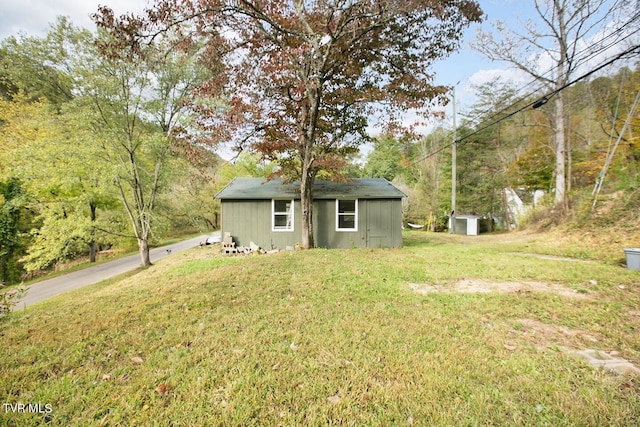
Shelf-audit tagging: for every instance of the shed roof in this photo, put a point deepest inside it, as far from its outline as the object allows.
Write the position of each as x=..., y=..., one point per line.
x=259, y=188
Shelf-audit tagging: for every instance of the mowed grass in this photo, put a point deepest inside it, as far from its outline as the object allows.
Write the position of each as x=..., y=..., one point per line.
x=331, y=337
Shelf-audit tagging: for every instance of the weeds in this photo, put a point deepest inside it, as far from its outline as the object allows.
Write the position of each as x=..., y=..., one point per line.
x=9, y=299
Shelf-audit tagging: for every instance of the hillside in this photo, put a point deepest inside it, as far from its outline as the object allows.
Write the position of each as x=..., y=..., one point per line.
x=595, y=233
x=449, y=330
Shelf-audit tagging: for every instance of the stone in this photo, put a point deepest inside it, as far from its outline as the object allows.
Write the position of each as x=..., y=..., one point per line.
x=603, y=360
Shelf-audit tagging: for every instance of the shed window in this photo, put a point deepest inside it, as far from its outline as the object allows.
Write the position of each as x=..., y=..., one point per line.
x=282, y=215
x=346, y=215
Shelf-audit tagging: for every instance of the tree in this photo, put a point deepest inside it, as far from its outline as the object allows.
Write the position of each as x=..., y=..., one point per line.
x=134, y=109
x=38, y=66
x=106, y=132
x=62, y=173
x=558, y=36
x=385, y=159
x=425, y=177
x=303, y=77
x=15, y=221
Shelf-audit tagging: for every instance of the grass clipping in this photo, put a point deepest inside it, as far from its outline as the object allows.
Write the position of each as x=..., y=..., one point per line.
x=328, y=337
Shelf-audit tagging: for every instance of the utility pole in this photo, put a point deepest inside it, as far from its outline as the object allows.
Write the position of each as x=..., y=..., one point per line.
x=453, y=167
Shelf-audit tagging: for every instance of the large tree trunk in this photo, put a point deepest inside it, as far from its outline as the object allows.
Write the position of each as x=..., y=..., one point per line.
x=143, y=246
x=562, y=77
x=306, y=201
x=560, y=146
x=308, y=119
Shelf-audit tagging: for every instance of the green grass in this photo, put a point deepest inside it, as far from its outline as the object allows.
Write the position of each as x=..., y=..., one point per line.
x=330, y=337
x=83, y=262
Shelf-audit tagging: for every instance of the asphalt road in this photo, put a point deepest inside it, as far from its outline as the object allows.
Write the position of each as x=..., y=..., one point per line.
x=47, y=288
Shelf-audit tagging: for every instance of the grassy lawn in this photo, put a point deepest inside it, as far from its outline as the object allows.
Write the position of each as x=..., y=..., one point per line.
x=449, y=330
x=102, y=257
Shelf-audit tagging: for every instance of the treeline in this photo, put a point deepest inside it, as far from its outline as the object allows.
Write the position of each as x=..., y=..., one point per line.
x=99, y=150
x=91, y=149
x=517, y=153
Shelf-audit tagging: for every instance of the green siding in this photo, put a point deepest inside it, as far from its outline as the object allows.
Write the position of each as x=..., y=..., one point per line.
x=379, y=224
x=384, y=223
x=325, y=227
x=250, y=221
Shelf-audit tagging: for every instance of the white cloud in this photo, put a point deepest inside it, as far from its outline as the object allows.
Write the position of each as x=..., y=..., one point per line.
x=510, y=75
x=34, y=17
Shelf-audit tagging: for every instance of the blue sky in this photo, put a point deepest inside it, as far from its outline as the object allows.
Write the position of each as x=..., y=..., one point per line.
x=34, y=16
x=462, y=69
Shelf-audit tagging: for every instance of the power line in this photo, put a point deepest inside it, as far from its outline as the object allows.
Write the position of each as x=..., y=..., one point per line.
x=533, y=104
x=591, y=54
x=580, y=59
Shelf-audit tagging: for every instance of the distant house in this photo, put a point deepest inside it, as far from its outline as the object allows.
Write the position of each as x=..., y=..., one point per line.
x=359, y=213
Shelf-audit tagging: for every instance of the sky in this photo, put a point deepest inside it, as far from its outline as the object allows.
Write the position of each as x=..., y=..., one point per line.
x=463, y=69
x=33, y=17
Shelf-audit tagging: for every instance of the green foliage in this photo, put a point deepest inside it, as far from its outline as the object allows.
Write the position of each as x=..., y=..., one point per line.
x=90, y=122
x=15, y=221
x=481, y=177
x=517, y=152
x=188, y=202
x=9, y=299
x=61, y=236
x=38, y=67
x=534, y=168
x=246, y=165
x=385, y=159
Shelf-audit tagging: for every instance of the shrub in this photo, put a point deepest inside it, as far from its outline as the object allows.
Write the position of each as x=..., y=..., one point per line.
x=8, y=299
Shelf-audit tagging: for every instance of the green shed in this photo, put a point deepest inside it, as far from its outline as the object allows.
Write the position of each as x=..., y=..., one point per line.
x=358, y=213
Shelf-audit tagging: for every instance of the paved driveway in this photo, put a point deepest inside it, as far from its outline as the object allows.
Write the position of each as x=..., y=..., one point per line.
x=47, y=288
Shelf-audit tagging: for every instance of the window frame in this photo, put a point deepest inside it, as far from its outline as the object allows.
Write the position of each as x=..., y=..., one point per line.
x=354, y=214
x=290, y=227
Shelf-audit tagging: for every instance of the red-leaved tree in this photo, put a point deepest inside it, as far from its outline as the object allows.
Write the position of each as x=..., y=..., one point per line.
x=303, y=77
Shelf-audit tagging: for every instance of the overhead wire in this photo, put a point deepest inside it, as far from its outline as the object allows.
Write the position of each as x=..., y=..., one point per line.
x=542, y=100
x=581, y=60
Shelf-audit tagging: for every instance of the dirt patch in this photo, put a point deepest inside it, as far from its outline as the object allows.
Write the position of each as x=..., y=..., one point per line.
x=575, y=342
x=549, y=257
x=478, y=286
x=543, y=335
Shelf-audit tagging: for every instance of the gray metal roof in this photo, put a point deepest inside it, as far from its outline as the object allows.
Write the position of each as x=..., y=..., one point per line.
x=259, y=188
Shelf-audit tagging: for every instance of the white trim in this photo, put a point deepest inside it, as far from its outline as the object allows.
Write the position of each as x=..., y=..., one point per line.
x=355, y=215
x=290, y=216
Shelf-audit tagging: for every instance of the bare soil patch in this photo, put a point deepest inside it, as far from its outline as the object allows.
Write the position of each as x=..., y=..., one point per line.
x=543, y=335
x=479, y=286
x=540, y=335
x=549, y=257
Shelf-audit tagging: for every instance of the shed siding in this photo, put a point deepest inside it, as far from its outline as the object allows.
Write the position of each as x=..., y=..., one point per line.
x=379, y=224
x=383, y=221
x=325, y=227
x=250, y=221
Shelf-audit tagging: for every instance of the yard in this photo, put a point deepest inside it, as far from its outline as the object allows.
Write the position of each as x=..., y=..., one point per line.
x=449, y=330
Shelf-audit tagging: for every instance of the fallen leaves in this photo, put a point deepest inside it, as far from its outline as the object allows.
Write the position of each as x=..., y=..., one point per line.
x=162, y=389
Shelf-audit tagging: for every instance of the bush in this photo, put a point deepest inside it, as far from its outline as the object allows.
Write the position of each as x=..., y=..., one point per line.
x=8, y=299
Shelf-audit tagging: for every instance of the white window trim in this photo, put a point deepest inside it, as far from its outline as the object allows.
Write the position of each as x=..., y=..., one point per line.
x=291, y=214
x=355, y=229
